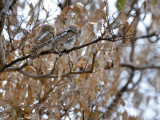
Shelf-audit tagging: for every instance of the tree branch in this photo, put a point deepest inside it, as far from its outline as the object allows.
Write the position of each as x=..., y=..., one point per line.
x=139, y=67
x=146, y=36
x=78, y=47
x=15, y=61
x=2, y=56
x=114, y=105
x=129, y=65
x=46, y=76
x=48, y=52
x=3, y=13
x=12, y=4
x=19, y=69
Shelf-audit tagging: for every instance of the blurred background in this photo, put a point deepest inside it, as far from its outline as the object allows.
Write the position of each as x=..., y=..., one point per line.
x=116, y=78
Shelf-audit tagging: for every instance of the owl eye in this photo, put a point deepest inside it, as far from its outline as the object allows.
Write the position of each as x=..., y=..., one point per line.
x=44, y=28
x=52, y=29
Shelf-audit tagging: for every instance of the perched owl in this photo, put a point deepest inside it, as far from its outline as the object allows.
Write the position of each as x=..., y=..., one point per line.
x=43, y=39
x=65, y=40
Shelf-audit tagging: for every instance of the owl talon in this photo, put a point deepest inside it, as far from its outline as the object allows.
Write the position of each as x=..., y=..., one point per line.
x=60, y=54
x=66, y=52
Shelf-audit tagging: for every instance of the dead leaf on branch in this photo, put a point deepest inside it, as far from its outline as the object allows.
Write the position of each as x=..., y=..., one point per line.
x=86, y=109
x=30, y=98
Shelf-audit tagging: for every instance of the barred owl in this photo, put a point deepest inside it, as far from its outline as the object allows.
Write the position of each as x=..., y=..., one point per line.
x=43, y=39
x=65, y=40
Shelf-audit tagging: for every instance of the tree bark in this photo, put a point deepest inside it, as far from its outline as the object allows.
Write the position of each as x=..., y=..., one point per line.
x=4, y=6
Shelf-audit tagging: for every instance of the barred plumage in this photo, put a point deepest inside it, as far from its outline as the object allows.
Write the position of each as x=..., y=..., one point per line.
x=66, y=39
x=43, y=39
x=47, y=40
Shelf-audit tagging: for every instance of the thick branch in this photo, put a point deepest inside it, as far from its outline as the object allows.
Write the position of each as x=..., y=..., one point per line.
x=139, y=67
x=48, y=52
x=12, y=4
x=3, y=13
x=129, y=65
x=75, y=48
x=46, y=76
x=114, y=105
x=19, y=69
x=15, y=61
x=2, y=56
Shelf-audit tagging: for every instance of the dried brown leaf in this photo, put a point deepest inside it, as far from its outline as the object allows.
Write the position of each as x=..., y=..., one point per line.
x=123, y=18
x=122, y=102
x=31, y=13
x=9, y=58
x=86, y=109
x=3, y=75
x=102, y=13
x=30, y=99
x=76, y=9
x=125, y=116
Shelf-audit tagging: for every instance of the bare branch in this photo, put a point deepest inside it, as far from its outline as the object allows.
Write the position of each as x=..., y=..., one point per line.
x=146, y=36
x=12, y=4
x=15, y=61
x=78, y=47
x=48, y=52
x=129, y=65
x=114, y=105
x=46, y=76
x=139, y=67
x=19, y=69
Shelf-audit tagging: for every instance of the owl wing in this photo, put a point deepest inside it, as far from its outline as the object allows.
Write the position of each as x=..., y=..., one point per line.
x=63, y=37
x=41, y=43
x=45, y=38
x=63, y=41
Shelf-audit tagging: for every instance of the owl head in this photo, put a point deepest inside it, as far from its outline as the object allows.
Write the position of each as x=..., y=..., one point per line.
x=75, y=29
x=49, y=28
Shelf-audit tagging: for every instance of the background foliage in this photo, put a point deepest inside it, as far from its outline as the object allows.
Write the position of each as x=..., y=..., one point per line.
x=111, y=73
